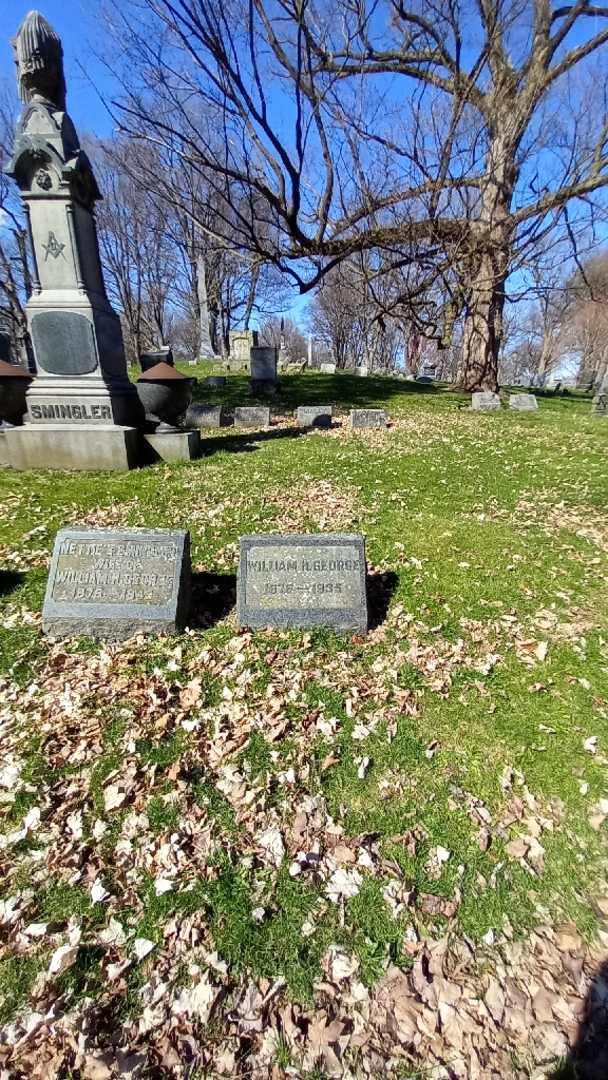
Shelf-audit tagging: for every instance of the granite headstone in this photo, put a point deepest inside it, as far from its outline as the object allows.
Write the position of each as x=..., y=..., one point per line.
x=485, y=401
x=368, y=418
x=600, y=404
x=327, y=369
x=252, y=416
x=204, y=416
x=114, y=583
x=318, y=416
x=523, y=402
x=303, y=580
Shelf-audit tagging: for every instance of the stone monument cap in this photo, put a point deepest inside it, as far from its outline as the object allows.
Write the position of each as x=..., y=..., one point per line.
x=13, y=371
x=162, y=371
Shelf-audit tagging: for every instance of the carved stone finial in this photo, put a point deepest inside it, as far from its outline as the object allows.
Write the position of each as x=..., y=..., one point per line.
x=39, y=60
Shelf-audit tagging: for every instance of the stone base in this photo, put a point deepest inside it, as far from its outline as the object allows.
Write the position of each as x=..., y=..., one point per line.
x=173, y=445
x=83, y=447
x=263, y=387
x=3, y=451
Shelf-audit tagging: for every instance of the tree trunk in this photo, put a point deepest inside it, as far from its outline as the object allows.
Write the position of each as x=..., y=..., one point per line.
x=482, y=334
x=488, y=263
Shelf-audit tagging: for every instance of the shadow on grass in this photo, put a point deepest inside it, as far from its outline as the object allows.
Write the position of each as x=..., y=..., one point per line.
x=380, y=588
x=213, y=598
x=245, y=442
x=9, y=581
x=588, y=1059
x=343, y=390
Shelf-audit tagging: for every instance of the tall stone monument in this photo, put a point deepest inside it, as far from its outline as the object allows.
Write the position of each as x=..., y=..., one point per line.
x=82, y=411
x=205, y=345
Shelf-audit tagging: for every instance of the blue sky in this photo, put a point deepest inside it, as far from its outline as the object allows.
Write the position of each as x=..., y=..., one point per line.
x=77, y=23
x=74, y=21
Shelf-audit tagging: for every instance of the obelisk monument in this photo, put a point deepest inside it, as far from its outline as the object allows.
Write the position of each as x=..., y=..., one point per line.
x=82, y=411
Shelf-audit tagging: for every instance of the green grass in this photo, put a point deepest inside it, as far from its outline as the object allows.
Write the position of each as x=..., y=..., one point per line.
x=495, y=531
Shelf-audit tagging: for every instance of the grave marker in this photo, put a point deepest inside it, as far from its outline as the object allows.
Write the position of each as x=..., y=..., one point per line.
x=252, y=416
x=303, y=580
x=318, y=416
x=523, y=402
x=113, y=583
x=368, y=418
x=485, y=401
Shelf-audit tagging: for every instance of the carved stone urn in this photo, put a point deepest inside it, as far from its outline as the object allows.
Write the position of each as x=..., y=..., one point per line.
x=14, y=382
x=165, y=395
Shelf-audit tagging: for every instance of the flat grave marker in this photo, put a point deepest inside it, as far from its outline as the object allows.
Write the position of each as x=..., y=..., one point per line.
x=114, y=583
x=303, y=580
x=316, y=416
x=523, y=402
x=204, y=416
x=252, y=416
x=485, y=401
x=368, y=418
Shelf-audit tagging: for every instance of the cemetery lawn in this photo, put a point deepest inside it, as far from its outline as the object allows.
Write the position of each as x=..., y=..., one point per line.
x=226, y=831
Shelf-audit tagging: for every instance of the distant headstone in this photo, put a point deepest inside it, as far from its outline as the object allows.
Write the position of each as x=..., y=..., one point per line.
x=264, y=360
x=303, y=580
x=241, y=343
x=523, y=402
x=368, y=418
x=327, y=369
x=214, y=382
x=484, y=401
x=252, y=416
x=600, y=404
x=319, y=416
x=361, y=371
x=114, y=583
x=204, y=416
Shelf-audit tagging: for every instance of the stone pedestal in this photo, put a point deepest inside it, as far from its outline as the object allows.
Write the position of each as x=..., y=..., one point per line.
x=84, y=447
x=173, y=445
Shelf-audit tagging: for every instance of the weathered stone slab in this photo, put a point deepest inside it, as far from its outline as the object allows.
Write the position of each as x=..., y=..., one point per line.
x=303, y=580
x=600, y=404
x=252, y=416
x=327, y=369
x=204, y=416
x=113, y=583
x=485, y=401
x=368, y=418
x=319, y=416
x=361, y=371
x=523, y=402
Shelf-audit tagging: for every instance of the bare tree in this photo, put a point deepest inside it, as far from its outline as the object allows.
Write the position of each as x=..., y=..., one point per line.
x=275, y=331
x=348, y=315
x=494, y=148
x=586, y=324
